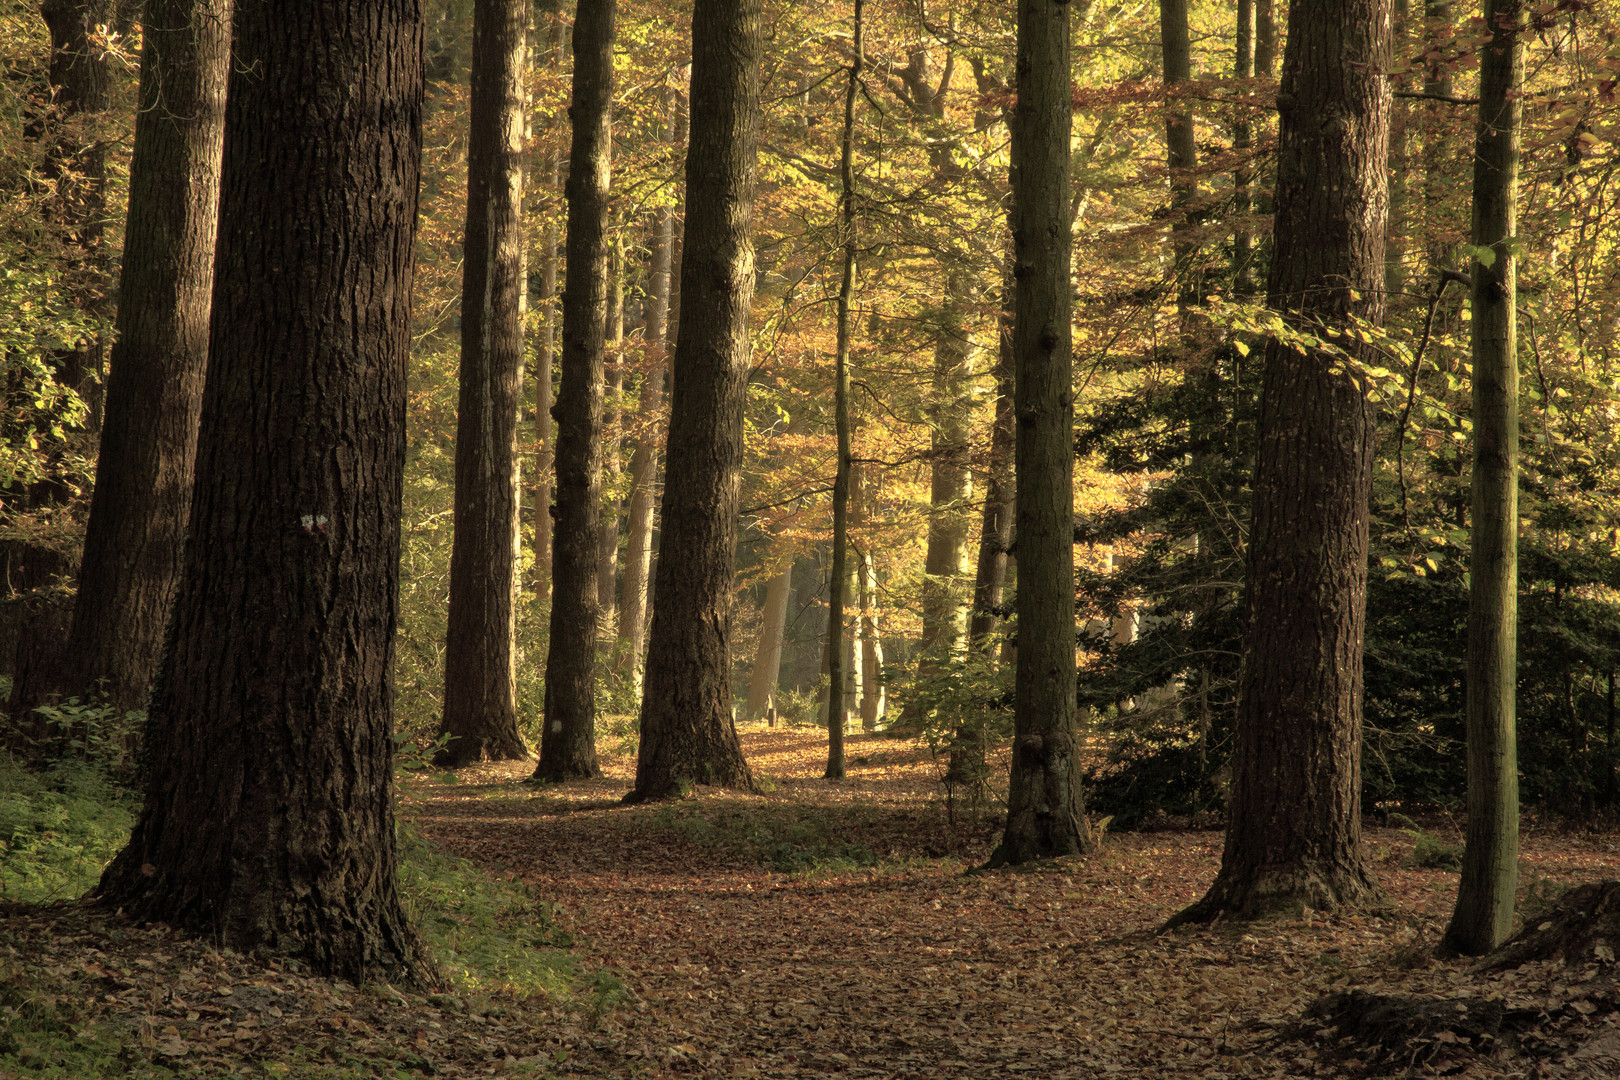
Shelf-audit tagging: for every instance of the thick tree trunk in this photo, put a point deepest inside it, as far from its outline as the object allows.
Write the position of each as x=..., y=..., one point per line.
x=1242, y=144
x=269, y=821
x=568, y=740
x=1484, y=915
x=838, y=666
x=1181, y=152
x=1294, y=835
x=687, y=730
x=136, y=533
x=1045, y=814
x=480, y=677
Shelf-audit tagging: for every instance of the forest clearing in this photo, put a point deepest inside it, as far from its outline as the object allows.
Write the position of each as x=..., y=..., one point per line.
x=833, y=928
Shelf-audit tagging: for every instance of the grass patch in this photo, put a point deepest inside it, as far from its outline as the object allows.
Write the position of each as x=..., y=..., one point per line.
x=488, y=935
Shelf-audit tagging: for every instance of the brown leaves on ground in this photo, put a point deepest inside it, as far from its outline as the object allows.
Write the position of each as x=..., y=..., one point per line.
x=833, y=928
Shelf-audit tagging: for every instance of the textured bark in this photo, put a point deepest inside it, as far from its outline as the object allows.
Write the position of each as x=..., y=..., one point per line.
x=838, y=584
x=1265, y=38
x=136, y=533
x=687, y=730
x=1242, y=144
x=268, y=823
x=607, y=551
x=1438, y=172
x=1294, y=836
x=568, y=740
x=1395, y=235
x=545, y=358
x=768, y=657
x=1483, y=918
x=480, y=676
x=1045, y=815
x=1181, y=153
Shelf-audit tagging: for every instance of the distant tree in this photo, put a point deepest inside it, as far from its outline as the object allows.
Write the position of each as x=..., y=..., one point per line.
x=1483, y=918
x=544, y=360
x=1045, y=814
x=1294, y=834
x=136, y=533
x=687, y=730
x=480, y=706
x=568, y=741
x=269, y=822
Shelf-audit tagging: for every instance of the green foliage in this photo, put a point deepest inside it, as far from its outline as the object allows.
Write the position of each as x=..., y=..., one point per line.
x=787, y=842
x=58, y=829
x=488, y=935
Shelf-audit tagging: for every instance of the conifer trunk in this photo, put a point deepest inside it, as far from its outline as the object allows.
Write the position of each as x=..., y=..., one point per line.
x=687, y=729
x=480, y=676
x=136, y=534
x=268, y=823
x=544, y=360
x=568, y=740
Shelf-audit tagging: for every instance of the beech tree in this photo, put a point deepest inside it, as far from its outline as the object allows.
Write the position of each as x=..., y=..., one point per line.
x=1483, y=918
x=568, y=741
x=1045, y=814
x=687, y=731
x=480, y=709
x=136, y=532
x=1294, y=833
x=268, y=822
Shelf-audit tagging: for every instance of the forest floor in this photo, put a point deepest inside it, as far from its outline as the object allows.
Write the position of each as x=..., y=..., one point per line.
x=840, y=929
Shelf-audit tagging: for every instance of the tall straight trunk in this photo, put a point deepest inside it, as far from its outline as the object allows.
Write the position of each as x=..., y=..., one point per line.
x=1181, y=152
x=1265, y=38
x=268, y=824
x=607, y=550
x=633, y=589
x=687, y=729
x=1242, y=144
x=1045, y=813
x=480, y=676
x=872, y=703
x=768, y=656
x=838, y=583
x=136, y=533
x=1294, y=835
x=967, y=764
x=545, y=357
x=568, y=739
x=1483, y=918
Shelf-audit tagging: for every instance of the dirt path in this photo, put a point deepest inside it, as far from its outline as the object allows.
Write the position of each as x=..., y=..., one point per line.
x=830, y=930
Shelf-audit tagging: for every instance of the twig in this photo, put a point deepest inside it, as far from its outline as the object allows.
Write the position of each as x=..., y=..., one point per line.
x=1446, y=278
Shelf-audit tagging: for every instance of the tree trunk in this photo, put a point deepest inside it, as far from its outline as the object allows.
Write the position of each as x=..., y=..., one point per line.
x=967, y=764
x=269, y=820
x=545, y=357
x=1265, y=38
x=1484, y=915
x=1045, y=814
x=1294, y=836
x=1395, y=238
x=1181, y=152
x=1438, y=175
x=607, y=550
x=568, y=740
x=1242, y=144
x=768, y=657
x=480, y=677
x=687, y=730
x=871, y=666
x=635, y=587
x=838, y=584
x=136, y=533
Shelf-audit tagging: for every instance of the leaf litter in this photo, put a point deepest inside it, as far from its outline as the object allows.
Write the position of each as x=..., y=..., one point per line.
x=840, y=929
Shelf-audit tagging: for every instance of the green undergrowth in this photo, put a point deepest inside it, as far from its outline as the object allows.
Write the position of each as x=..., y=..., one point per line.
x=790, y=842
x=488, y=935
x=58, y=829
